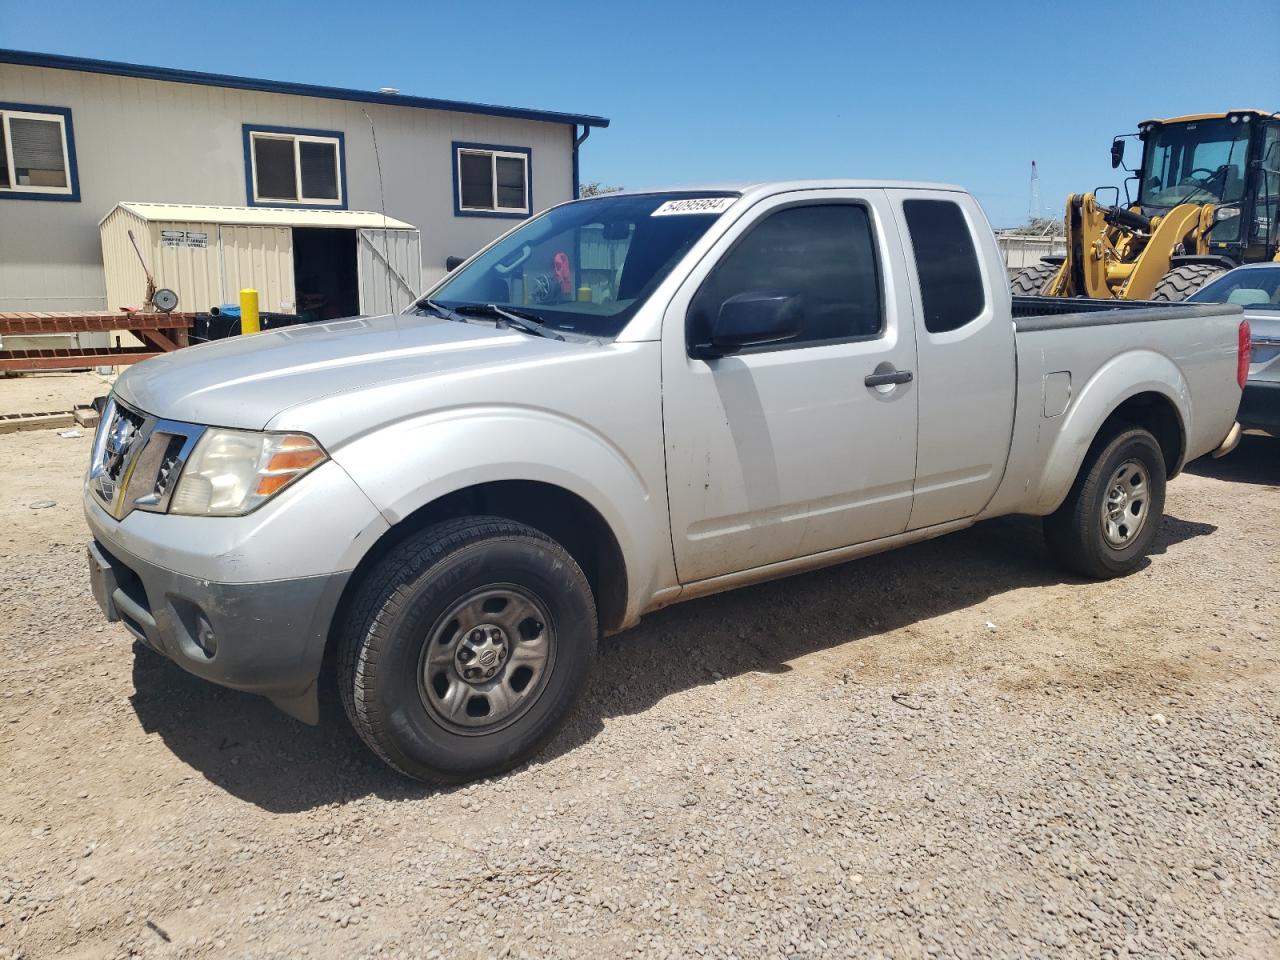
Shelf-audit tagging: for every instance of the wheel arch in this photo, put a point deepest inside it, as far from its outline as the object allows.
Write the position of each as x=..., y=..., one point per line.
x=561, y=514
x=1156, y=413
x=1142, y=388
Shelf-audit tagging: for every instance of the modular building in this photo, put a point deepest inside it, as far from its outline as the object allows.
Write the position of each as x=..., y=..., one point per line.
x=337, y=183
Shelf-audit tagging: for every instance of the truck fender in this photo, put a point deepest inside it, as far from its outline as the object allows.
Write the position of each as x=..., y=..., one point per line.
x=1121, y=378
x=413, y=462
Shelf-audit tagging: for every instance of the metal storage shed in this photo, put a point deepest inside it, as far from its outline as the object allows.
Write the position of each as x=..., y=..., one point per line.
x=324, y=263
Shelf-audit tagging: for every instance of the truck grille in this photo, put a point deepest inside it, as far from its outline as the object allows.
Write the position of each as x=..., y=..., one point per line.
x=120, y=432
x=137, y=459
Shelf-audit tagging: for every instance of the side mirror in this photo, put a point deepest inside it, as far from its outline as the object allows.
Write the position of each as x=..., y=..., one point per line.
x=753, y=318
x=1117, y=152
x=453, y=263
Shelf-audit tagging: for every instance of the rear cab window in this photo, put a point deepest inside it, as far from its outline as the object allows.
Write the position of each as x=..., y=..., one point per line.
x=946, y=264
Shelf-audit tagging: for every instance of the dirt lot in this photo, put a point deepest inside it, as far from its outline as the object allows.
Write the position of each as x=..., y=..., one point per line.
x=950, y=750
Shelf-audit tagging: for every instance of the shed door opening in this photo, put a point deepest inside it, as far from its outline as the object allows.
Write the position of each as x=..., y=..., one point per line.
x=325, y=275
x=390, y=270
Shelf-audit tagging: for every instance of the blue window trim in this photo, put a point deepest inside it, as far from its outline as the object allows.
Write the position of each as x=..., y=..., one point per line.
x=252, y=128
x=72, y=169
x=492, y=214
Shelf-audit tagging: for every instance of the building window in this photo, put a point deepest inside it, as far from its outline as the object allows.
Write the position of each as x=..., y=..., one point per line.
x=304, y=168
x=37, y=153
x=491, y=181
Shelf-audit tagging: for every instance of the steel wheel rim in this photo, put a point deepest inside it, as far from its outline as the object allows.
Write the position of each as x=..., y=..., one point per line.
x=486, y=660
x=1127, y=503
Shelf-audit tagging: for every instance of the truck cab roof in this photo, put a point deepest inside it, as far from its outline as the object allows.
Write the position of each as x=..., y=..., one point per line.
x=762, y=188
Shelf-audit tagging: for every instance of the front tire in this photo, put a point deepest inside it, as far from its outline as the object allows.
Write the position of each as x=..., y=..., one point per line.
x=1112, y=514
x=465, y=649
x=1181, y=282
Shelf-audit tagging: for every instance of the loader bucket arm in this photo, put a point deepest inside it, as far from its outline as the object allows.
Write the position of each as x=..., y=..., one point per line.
x=1083, y=272
x=1113, y=253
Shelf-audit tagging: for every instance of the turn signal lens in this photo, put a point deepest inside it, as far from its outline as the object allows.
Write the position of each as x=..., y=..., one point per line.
x=296, y=456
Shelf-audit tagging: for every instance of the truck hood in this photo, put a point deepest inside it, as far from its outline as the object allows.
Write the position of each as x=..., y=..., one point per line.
x=246, y=381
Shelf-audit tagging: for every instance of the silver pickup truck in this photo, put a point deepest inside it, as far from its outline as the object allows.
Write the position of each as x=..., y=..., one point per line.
x=622, y=403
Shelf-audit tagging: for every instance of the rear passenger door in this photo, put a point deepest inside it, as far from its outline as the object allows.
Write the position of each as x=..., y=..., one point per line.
x=965, y=354
x=783, y=450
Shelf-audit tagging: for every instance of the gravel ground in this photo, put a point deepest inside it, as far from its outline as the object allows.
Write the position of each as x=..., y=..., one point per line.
x=945, y=751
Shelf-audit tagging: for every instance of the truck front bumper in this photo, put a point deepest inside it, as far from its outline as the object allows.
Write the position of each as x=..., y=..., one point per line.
x=266, y=638
x=245, y=602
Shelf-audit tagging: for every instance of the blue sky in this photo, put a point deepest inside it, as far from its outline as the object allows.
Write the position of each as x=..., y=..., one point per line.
x=967, y=92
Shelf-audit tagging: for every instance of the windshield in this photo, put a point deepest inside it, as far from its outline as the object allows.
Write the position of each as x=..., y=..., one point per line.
x=585, y=267
x=1201, y=162
x=1256, y=288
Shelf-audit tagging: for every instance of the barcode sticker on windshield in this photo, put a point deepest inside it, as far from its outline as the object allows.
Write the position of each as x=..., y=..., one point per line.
x=694, y=205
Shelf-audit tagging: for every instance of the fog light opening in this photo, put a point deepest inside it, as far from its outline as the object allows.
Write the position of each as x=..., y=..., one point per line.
x=206, y=639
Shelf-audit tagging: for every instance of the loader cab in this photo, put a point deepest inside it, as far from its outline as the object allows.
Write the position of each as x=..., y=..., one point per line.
x=1221, y=159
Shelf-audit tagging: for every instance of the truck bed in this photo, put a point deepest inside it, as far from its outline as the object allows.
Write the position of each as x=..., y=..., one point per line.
x=1025, y=308
x=1057, y=313
x=1184, y=351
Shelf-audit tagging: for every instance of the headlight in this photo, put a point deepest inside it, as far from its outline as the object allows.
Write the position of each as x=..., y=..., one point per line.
x=1225, y=213
x=231, y=472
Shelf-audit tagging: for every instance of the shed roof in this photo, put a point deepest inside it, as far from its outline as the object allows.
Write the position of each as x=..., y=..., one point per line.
x=141, y=71
x=262, y=216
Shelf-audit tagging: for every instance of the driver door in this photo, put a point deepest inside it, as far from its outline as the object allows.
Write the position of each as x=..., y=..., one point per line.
x=784, y=450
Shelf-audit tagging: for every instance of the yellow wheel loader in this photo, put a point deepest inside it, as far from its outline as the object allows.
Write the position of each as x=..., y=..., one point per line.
x=1208, y=200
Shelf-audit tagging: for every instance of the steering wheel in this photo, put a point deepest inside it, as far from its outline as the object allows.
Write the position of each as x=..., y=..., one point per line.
x=1209, y=174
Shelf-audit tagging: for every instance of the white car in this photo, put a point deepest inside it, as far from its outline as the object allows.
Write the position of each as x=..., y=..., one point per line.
x=624, y=402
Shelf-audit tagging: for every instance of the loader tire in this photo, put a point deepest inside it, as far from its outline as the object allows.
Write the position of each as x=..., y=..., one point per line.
x=1031, y=281
x=1181, y=282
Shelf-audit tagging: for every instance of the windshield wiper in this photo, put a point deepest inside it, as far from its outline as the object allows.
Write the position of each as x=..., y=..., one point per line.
x=521, y=321
x=440, y=310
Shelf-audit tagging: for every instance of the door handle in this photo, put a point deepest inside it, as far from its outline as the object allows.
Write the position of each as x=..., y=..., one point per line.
x=888, y=378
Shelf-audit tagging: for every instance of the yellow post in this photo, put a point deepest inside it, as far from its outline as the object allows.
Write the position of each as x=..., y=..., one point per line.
x=249, y=311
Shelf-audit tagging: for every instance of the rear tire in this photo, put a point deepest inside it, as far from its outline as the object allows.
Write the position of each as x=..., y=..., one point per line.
x=1112, y=514
x=1181, y=282
x=1031, y=281
x=465, y=648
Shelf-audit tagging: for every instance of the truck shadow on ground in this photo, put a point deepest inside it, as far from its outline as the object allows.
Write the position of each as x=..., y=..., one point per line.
x=245, y=746
x=1256, y=460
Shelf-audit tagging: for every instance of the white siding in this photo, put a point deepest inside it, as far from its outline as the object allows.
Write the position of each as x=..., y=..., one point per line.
x=183, y=143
